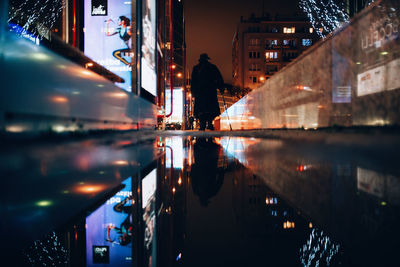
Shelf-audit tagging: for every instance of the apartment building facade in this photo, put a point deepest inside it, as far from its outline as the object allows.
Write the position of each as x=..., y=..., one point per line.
x=261, y=47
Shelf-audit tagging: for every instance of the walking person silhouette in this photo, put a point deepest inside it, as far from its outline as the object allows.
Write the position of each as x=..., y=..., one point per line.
x=206, y=79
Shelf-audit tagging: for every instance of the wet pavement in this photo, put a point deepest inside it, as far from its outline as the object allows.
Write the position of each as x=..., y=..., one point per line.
x=202, y=199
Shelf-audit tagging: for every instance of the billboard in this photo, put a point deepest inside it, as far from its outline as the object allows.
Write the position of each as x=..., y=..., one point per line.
x=109, y=230
x=177, y=101
x=148, y=48
x=108, y=36
x=149, y=186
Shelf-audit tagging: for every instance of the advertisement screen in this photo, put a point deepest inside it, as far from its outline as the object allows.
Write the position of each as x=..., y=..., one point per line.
x=109, y=230
x=108, y=36
x=149, y=184
x=148, y=62
x=177, y=101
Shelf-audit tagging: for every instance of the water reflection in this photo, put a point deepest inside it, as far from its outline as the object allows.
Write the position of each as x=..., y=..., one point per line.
x=244, y=202
x=109, y=230
x=206, y=176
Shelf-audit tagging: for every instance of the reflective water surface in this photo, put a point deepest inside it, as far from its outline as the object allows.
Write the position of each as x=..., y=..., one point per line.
x=201, y=201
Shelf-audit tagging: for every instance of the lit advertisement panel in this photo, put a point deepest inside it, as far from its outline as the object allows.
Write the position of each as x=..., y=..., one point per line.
x=174, y=156
x=149, y=184
x=108, y=36
x=177, y=101
x=109, y=230
x=148, y=62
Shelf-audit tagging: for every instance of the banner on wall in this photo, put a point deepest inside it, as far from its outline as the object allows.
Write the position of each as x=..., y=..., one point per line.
x=148, y=61
x=108, y=36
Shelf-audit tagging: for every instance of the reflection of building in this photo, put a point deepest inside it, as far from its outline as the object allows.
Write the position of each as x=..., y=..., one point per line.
x=173, y=58
x=259, y=210
x=261, y=47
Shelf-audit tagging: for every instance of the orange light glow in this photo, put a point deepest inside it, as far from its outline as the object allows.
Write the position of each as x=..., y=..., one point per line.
x=89, y=64
x=117, y=94
x=262, y=79
x=85, y=72
x=179, y=75
x=89, y=188
x=180, y=181
x=173, y=190
x=59, y=99
x=173, y=67
x=300, y=168
x=121, y=162
x=310, y=225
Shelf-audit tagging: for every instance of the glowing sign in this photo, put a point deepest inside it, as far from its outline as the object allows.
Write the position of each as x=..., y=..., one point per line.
x=148, y=62
x=108, y=37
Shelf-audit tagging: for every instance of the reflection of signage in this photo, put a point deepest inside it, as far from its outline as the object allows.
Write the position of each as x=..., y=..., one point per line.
x=109, y=230
x=342, y=94
x=370, y=182
x=149, y=185
x=99, y=7
x=101, y=254
x=379, y=32
x=371, y=81
x=379, y=79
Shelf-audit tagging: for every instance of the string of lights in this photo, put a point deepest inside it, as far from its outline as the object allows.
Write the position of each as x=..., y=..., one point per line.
x=318, y=250
x=47, y=252
x=327, y=15
x=37, y=16
x=324, y=15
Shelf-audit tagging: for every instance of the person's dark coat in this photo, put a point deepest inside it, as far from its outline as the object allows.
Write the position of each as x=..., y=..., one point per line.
x=206, y=79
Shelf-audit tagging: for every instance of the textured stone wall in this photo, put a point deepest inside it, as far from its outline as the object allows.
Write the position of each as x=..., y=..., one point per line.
x=350, y=78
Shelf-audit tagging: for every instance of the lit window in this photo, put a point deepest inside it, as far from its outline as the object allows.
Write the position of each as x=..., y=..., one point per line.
x=271, y=55
x=289, y=29
x=311, y=30
x=306, y=42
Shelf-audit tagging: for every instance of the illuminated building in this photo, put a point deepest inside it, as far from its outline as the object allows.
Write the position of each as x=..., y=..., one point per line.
x=261, y=47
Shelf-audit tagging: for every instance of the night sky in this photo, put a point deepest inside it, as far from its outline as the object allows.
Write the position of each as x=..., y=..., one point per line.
x=211, y=24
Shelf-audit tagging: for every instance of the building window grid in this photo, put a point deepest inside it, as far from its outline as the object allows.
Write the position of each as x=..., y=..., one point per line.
x=306, y=42
x=289, y=42
x=289, y=29
x=254, y=67
x=253, y=79
x=271, y=43
x=254, y=54
x=271, y=56
x=254, y=41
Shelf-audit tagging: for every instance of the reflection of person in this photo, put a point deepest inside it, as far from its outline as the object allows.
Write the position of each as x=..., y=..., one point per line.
x=206, y=78
x=206, y=177
x=124, y=31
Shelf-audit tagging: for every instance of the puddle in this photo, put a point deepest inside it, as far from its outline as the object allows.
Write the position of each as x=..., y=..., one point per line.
x=227, y=201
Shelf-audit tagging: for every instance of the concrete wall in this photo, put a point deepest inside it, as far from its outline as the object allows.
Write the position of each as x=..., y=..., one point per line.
x=350, y=78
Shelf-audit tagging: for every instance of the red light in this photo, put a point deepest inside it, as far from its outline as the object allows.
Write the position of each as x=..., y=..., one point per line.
x=300, y=168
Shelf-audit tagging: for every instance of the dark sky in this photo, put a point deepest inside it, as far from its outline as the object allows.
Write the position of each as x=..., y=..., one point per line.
x=211, y=24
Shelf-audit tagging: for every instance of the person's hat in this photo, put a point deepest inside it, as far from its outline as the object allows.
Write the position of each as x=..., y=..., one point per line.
x=204, y=56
